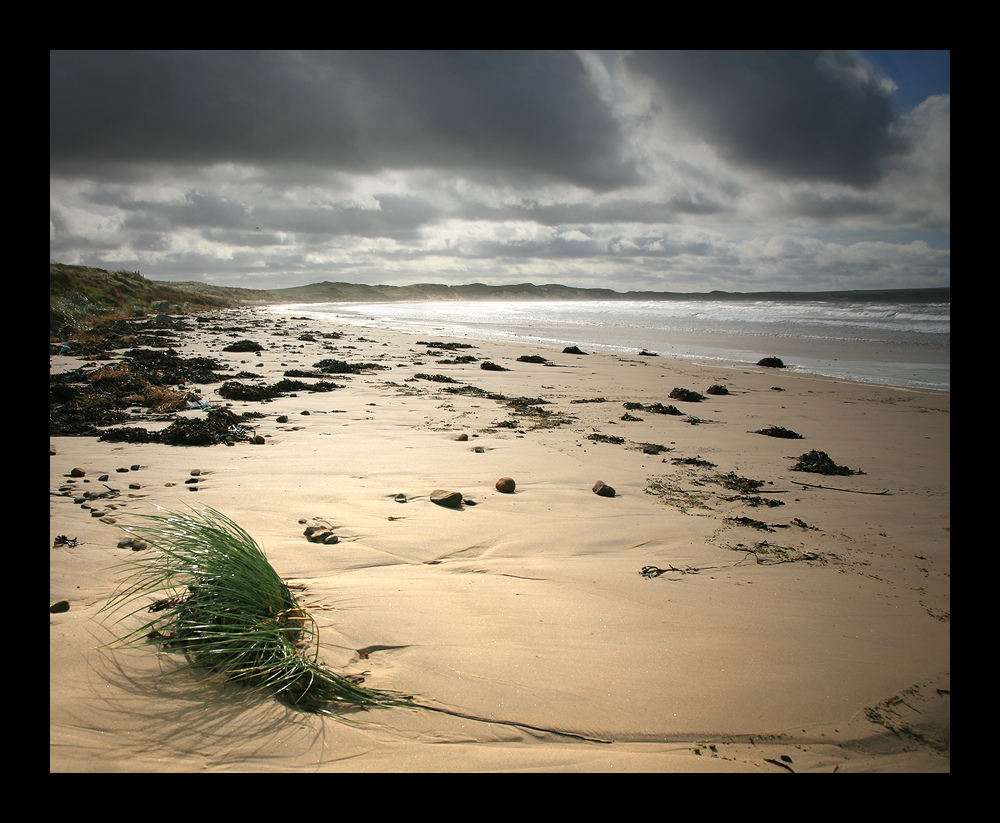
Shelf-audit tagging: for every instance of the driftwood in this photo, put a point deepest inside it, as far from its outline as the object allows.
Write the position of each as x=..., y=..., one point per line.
x=835, y=489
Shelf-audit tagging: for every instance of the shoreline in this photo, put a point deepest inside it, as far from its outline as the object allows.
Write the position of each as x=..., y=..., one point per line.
x=856, y=360
x=742, y=647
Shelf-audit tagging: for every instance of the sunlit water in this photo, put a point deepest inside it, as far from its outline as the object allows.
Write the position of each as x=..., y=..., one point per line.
x=899, y=344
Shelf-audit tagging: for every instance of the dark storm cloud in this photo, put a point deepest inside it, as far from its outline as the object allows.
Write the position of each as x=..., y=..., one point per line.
x=724, y=169
x=809, y=115
x=523, y=113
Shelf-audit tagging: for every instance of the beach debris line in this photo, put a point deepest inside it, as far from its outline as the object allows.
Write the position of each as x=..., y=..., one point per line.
x=220, y=604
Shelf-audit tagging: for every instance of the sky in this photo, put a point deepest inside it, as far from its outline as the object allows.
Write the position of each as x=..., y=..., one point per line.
x=738, y=170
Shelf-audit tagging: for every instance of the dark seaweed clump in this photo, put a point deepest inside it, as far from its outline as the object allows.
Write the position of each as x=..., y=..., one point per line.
x=779, y=431
x=686, y=394
x=820, y=463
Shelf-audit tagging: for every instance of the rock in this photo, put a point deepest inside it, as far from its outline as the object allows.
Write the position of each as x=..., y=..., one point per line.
x=258, y=440
x=505, y=485
x=77, y=472
x=59, y=606
x=135, y=485
x=603, y=489
x=139, y=545
x=449, y=499
x=400, y=498
x=282, y=418
x=321, y=533
x=771, y=363
x=462, y=437
x=573, y=350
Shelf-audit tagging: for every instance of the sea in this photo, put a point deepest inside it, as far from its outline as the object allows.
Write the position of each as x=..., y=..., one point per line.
x=896, y=344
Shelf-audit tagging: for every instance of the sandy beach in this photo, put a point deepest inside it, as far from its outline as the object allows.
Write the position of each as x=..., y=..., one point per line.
x=799, y=624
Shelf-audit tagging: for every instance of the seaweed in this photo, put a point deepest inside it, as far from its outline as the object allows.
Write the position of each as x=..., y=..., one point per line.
x=779, y=431
x=820, y=463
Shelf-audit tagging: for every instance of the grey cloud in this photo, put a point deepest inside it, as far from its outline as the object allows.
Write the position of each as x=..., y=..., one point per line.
x=518, y=113
x=809, y=115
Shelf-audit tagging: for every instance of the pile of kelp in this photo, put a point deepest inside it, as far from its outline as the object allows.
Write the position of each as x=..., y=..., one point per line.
x=152, y=382
x=144, y=384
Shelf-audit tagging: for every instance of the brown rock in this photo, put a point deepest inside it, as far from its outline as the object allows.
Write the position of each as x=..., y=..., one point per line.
x=603, y=489
x=505, y=485
x=451, y=500
x=77, y=473
x=59, y=606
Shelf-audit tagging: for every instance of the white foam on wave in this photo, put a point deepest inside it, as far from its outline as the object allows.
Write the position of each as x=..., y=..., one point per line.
x=896, y=344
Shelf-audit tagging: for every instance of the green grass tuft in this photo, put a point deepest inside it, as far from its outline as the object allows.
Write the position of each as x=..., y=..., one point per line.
x=220, y=604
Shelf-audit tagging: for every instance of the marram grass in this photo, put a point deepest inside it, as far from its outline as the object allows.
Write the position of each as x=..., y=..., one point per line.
x=217, y=601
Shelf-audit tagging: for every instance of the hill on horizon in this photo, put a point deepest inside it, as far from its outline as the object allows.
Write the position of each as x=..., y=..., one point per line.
x=79, y=294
